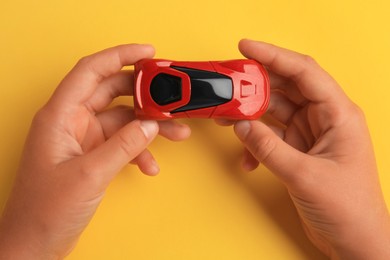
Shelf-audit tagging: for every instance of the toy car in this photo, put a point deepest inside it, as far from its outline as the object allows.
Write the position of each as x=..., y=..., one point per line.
x=234, y=89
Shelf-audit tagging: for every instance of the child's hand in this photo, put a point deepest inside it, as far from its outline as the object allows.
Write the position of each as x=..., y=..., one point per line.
x=319, y=147
x=74, y=149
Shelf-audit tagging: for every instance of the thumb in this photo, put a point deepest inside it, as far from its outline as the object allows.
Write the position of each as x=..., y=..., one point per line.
x=107, y=160
x=279, y=157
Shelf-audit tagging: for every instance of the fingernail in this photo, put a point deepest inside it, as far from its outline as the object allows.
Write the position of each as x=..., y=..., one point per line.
x=149, y=128
x=154, y=168
x=246, y=166
x=150, y=46
x=242, y=129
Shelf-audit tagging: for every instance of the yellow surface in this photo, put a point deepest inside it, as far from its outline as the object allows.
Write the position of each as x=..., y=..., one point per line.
x=201, y=206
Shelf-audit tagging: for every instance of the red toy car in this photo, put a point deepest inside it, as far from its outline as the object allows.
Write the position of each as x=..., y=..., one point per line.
x=235, y=89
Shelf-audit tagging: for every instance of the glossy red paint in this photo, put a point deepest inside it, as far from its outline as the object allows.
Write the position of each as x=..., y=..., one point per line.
x=250, y=94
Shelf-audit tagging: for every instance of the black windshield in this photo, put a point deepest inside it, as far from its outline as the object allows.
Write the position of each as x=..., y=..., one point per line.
x=207, y=89
x=165, y=89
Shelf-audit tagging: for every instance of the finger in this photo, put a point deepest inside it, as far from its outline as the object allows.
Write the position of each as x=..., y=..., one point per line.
x=114, y=119
x=313, y=82
x=119, y=84
x=281, y=108
x=279, y=157
x=173, y=130
x=82, y=81
x=104, y=162
x=299, y=133
x=146, y=163
x=278, y=131
x=249, y=162
x=277, y=81
x=286, y=86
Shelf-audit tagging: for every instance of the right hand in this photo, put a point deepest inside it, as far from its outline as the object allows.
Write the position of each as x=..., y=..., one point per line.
x=321, y=150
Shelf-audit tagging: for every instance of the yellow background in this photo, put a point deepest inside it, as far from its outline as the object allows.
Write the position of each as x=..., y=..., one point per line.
x=201, y=206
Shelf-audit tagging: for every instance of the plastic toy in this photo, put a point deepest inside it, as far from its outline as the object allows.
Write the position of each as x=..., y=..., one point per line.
x=234, y=89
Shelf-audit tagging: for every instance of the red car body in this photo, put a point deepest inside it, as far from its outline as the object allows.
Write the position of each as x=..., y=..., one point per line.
x=235, y=89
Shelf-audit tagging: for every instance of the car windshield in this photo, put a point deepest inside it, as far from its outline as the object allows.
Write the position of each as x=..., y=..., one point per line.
x=207, y=89
x=166, y=89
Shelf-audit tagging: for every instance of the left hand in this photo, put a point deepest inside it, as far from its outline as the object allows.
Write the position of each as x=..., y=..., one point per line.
x=74, y=149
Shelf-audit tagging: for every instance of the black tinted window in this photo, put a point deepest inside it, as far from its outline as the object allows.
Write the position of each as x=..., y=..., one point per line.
x=207, y=89
x=165, y=89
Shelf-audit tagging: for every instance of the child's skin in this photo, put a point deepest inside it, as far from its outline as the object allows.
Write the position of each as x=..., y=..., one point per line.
x=320, y=149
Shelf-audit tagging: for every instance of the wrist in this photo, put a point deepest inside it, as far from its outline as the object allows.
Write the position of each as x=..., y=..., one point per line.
x=372, y=244
x=11, y=249
x=19, y=243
